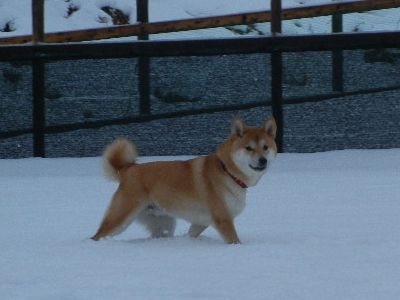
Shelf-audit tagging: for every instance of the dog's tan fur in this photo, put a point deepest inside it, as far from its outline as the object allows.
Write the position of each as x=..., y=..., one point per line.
x=204, y=190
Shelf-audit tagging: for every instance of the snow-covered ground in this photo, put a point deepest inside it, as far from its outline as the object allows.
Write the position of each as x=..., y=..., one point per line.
x=61, y=15
x=318, y=226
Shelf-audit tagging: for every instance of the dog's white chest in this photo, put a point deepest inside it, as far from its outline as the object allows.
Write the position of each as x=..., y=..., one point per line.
x=235, y=203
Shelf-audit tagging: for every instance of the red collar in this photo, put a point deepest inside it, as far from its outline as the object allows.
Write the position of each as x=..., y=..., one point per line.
x=237, y=180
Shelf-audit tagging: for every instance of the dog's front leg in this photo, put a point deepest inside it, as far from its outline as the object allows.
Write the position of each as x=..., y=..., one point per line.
x=227, y=230
x=223, y=221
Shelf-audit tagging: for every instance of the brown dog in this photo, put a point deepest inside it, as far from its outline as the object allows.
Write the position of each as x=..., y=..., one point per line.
x=207, y=190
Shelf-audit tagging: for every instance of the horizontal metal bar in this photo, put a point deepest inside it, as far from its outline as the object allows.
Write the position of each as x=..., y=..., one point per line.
x=298, y=43
x=134, y=119
x=335, y=95
x=15, y=133
x=147, y=118
x=137, y=119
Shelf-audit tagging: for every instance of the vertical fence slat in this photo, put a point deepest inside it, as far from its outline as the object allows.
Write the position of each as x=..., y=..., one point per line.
x=142, y=11
x=337, y=56
x=39, y=117
x=142, y=15
x=38, y=82
x=277, y=73
x=37, y=21
x=276, y=16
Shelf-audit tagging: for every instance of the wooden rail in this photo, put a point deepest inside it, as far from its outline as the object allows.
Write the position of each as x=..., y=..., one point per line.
x=206, y=22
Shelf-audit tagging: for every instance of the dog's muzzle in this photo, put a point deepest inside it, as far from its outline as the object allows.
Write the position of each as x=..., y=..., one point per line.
x=262, y=164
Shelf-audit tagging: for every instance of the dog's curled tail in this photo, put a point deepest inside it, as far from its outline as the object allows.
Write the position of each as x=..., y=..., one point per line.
x=117, y=155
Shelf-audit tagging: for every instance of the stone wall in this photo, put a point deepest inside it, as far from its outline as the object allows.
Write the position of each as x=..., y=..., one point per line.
x=90, y=90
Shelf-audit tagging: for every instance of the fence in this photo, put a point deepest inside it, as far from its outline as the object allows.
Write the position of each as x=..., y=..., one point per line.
x=42, y=54
x=143, y=27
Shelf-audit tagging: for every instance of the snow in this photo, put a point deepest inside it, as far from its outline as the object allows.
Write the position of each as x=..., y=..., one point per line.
x=317, y=226
x=90, y=15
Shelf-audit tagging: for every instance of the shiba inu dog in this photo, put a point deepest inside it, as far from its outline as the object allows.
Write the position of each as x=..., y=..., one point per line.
x=205, y=191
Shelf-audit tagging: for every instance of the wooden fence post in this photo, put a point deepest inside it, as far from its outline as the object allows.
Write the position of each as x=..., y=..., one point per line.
x=276, y=16
x=276, y=73
x=142, y=11
x=38, y=82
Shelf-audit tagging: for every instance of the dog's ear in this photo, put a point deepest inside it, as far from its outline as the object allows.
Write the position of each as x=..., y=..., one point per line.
x=237, y=127
x=270, y=127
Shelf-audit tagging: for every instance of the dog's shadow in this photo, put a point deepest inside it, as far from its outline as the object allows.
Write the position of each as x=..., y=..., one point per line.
x=178, y=240
x=183, y=240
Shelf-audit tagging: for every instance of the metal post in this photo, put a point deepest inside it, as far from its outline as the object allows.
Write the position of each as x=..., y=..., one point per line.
x=337, y=56
x=276, y=73
x=142, y=10
x=38, y=82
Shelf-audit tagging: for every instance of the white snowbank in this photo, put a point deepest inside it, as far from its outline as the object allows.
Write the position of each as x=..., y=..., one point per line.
x=318, y=226
x=90, y=15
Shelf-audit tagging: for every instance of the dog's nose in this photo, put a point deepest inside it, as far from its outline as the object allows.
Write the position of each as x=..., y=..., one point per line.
x=262, y=161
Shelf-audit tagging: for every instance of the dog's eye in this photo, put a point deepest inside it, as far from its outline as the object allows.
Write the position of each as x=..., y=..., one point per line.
x=265, y=147
x=248, y=148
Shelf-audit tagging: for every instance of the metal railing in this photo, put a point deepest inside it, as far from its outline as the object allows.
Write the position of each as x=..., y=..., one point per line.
x=39, y=53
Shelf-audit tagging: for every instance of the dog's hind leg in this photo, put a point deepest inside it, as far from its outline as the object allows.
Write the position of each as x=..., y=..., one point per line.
x=195, y=230
x=160, y=226
x=121, y=212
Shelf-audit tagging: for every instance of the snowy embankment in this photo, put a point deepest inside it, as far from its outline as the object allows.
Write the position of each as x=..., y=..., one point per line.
x=318, y=226
x=64, y=15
